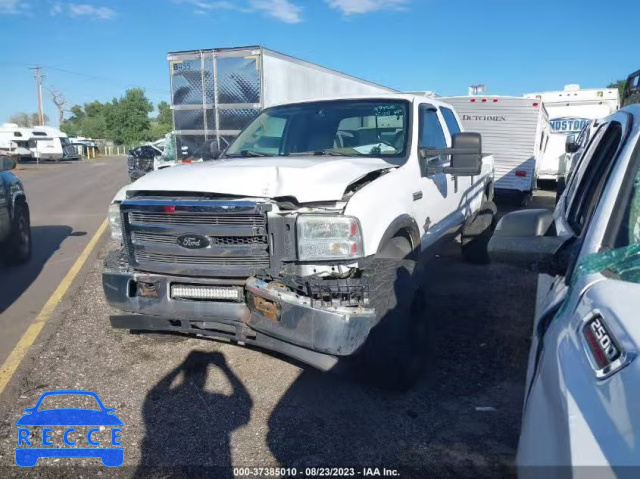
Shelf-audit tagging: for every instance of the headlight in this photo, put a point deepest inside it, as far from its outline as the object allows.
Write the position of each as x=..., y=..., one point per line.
x=115, y=222
x=326, y=237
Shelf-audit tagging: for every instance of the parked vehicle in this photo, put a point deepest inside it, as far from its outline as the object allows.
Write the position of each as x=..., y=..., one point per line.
x=514, y=130
x=39, y=143
x=15, y=227
x=583, y=374
x=142, y=160
x=216, y=93
x=569, y=111
x=632, y=89
x=302, y=237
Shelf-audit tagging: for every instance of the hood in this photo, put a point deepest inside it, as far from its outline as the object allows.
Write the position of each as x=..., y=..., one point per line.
x=308, y=179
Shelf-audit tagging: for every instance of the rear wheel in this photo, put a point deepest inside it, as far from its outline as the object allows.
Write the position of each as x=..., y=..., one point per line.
x=395, y=353
x=477, y=232
x=19, y=242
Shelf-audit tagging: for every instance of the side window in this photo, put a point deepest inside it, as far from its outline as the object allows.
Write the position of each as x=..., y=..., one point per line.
x=594, y=172
x=431, y=133
x=451, y=121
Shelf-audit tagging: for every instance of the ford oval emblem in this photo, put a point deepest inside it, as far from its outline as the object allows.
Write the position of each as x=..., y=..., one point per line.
x=192, y=241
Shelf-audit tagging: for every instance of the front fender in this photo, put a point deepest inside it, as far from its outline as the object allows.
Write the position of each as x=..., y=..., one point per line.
x=382, y=205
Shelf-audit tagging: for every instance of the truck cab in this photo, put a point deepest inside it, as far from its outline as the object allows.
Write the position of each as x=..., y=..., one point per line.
x=303, y=236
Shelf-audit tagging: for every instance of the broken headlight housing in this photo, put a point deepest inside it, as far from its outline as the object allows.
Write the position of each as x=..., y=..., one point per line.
x=115, y=222
x=329, y=237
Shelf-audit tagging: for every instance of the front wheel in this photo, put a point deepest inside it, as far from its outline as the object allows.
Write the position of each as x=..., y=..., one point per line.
x=19, y=242
x=395, y=353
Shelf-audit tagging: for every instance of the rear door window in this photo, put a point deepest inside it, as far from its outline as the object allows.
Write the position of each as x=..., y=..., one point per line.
x=451, y=121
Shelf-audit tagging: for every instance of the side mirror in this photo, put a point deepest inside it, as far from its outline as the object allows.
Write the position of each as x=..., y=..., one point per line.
x=570, y=145
x=520, y=240
x=466, y=155
x=7, y=163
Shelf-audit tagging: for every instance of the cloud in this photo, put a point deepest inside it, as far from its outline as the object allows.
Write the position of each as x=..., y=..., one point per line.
x=13, y=7
x=84, y=10
x=56, y=9
x=356, y=7
x=281, y=9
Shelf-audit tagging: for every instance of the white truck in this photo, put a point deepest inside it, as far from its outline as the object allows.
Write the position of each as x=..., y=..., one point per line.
x=514, y=131
x=569, y=111
x=302, y=236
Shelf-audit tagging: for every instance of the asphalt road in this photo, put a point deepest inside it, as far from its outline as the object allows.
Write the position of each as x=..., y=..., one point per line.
x=68, y=202
x=194, y=407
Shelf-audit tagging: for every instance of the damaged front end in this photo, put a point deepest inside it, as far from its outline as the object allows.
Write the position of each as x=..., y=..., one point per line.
x=232, y=269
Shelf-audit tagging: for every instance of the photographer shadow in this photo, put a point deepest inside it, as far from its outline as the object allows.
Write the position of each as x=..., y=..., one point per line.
x=188, y=428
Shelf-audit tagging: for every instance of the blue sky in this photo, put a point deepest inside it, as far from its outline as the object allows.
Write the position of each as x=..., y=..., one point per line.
x=95, y=49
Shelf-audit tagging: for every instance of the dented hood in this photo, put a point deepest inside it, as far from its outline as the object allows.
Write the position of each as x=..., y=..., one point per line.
x=308, y=179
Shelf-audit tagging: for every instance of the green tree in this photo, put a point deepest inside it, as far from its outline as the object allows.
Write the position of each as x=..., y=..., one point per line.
x=163, y=123
x=127, y=118
x=619, y=84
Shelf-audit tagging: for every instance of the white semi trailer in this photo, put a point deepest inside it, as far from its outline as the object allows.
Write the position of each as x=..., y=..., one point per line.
x=216, y=93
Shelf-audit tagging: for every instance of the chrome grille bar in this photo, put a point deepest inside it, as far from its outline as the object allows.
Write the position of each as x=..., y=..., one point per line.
x=236, y=232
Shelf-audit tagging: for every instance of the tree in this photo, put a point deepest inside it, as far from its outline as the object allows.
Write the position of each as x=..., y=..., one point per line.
x=27, y=120
x=163, y=123
x=127, y=118
x=619, y=84
x=60, y=102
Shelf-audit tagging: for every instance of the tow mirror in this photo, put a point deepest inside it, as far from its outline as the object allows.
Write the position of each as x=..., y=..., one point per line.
x=466, y=156
x=7, y=163
x=211, y=151
x=521, y=239
x=570, y=145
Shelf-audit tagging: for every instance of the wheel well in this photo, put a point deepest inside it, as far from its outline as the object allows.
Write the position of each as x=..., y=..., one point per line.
x=406, y=234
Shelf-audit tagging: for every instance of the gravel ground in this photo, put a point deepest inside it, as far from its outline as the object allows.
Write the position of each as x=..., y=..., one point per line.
x=194, y=407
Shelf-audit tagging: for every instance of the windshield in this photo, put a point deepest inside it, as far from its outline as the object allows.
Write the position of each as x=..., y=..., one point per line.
x=345, y=127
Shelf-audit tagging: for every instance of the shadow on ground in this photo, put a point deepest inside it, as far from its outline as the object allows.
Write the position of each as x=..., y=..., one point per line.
x=187, y=427
x=15, y=280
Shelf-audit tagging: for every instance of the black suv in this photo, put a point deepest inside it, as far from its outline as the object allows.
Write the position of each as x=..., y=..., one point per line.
x=15, y=227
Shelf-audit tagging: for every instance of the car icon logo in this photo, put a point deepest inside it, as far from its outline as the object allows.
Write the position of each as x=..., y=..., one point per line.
x=81, y=430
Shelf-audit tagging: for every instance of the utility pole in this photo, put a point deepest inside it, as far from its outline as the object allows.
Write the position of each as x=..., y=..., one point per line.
x=39, y=78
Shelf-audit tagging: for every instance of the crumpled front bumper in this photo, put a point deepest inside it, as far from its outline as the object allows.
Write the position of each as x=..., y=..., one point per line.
x=289, y=324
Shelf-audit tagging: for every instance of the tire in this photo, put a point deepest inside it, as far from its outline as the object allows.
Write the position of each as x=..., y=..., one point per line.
x=395, y=353
x=398, y=247
x=477, y=232
x=19, y=243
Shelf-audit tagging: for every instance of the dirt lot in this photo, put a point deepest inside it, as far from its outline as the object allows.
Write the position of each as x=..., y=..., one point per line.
x=200, y=407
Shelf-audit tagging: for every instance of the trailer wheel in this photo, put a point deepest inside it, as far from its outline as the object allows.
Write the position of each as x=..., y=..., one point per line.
x=396, y=351
x=477, y=232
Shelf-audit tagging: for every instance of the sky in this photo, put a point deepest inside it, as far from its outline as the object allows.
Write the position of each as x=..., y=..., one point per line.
x=96, y=49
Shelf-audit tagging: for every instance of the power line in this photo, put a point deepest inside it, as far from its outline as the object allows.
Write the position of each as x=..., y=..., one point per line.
x=86, y=75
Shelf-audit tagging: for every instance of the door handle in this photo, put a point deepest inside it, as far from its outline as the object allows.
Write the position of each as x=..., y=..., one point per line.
x=417, y=196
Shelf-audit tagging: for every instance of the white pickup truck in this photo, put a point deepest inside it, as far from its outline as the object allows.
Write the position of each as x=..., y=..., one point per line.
x=302, y=237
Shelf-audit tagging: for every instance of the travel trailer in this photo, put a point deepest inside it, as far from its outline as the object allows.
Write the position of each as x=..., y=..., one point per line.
x=514, y=130
x=39, y=143
x=569, y=111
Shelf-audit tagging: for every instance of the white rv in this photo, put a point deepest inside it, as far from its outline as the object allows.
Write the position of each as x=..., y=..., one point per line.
x=569, y=111
x=514, y=130
x=39, y=143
